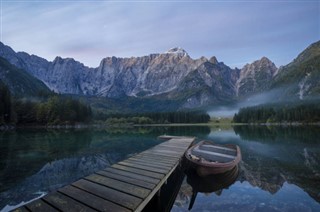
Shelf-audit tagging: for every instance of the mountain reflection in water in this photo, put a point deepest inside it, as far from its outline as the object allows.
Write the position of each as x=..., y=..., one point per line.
x=279, y=171
x=34, y=162
x=211, y=183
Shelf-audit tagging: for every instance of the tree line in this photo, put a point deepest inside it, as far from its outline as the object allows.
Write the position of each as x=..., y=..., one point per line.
x=5, y=105
x=57, y=109
x=156, y=117
x=53, y=110
x=302, y=113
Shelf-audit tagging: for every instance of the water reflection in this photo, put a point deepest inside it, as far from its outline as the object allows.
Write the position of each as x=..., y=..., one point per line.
x=280, y=168
x=271, y=134
x=33, y=162
x=279, y=171
x=211, y=183
x=275, y=155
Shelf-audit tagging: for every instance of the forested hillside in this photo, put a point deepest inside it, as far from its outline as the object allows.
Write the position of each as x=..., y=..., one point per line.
x=53, y=110
x=303, y=112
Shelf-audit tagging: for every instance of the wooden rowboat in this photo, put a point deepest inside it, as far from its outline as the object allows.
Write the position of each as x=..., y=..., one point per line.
x=208, y=158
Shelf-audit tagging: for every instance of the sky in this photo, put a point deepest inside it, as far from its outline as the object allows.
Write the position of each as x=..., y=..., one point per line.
x=236, y=32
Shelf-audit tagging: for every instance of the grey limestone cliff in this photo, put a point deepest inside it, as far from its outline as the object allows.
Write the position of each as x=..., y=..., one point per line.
x=255, y=77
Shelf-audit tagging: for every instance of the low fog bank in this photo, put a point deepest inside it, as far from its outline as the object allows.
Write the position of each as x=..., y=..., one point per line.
x=230, y=110
x=274, y=96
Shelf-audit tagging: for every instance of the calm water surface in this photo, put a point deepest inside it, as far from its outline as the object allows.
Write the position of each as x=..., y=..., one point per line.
x=280, y=170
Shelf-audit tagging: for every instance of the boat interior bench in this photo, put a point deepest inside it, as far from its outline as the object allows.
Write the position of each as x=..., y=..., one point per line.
x=209, y=155
x=218, y=149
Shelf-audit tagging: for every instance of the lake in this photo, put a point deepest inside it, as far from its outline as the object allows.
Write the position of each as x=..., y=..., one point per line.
x=280, y=169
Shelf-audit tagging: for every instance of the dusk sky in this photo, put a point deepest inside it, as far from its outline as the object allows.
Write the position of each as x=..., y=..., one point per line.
x=236, y=32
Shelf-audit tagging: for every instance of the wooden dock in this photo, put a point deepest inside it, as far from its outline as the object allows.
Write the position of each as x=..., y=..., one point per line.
x=130, y=185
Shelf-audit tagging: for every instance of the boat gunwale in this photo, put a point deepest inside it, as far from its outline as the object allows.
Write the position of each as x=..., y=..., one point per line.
x=205, y=163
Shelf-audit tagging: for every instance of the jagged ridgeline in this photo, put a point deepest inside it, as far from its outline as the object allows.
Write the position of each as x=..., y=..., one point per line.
x=20, y=82
x=301, y=77
x=171, y=80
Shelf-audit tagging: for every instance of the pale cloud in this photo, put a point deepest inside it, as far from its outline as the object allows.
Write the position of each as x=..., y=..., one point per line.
x=235, y=32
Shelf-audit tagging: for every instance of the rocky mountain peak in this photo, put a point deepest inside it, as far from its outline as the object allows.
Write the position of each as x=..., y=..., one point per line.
x=57, y=59
x=255, y=77
x=178, y=51
x=264, y=65
x=310, y=52
x=9, y=54
x=203, y=59
x=173, y=75
x=265, y=61
x=4, y=48
x=213, y=60
x=60, y=59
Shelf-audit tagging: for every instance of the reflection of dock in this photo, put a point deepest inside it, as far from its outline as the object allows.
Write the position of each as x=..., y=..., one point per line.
x=134, y=184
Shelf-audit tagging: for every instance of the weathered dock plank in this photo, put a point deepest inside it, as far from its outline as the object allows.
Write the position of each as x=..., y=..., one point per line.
x=132, y=175
x=21, y=209
x=155, y=158
x=131, y=180
x=65, y=203
x=165, y=151
x=91, y=200
x=176, y=148
x=163, y=155
x=149, y=163
x=128, y=185
x=120, y=186
x=139, y=171
x=109, y=194
x=162, y=170
x=39, y=206
x=159, y=153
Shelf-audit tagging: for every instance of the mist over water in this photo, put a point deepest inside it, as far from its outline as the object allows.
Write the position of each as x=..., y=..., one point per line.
x=274, y=96
x=279, y=171
x=230, y=110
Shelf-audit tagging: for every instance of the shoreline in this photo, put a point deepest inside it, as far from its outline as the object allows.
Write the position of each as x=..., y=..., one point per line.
x=128, y=125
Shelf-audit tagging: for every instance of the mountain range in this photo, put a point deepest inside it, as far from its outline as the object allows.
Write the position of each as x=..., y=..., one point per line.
x=170, y=80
